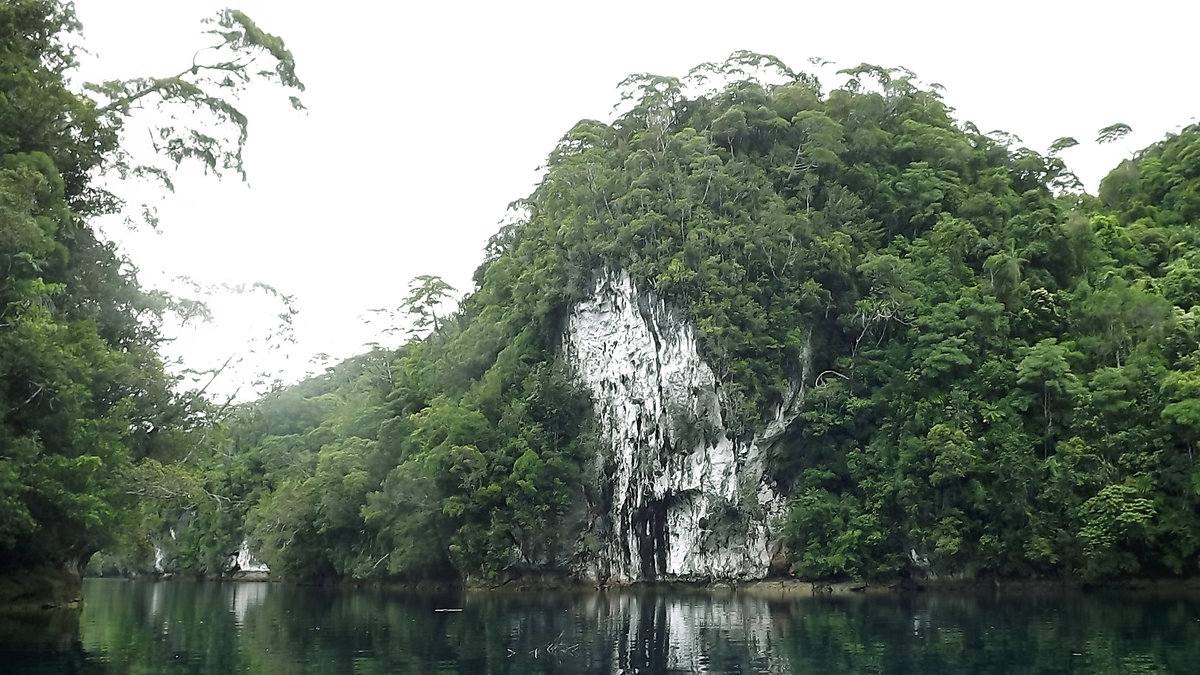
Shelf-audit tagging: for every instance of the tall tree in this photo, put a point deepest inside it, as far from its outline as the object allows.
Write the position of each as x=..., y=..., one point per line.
x=84, y=396
x=426, y=295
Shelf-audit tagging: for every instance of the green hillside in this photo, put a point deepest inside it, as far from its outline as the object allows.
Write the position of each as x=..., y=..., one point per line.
x=1001, y=373
x=1004, y=376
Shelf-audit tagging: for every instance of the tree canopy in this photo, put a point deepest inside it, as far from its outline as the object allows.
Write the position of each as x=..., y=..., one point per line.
x=89, y=418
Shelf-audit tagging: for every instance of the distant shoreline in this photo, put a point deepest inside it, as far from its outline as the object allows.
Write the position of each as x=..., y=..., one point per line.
x=51, y=590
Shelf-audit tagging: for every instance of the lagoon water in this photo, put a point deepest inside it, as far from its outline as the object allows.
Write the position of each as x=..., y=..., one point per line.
x=196, y=627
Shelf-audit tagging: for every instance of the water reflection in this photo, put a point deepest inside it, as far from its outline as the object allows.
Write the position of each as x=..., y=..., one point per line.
x=182, y=627
x=245, y=596
x=698, y=633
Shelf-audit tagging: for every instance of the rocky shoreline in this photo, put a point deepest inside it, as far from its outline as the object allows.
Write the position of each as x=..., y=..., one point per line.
x=31, y=590
x=39, y=590
x=827, y=587
x=1007, y=585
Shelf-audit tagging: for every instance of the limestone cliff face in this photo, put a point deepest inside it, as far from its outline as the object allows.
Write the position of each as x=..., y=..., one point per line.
x=245, y=565
x=679, y=496
x=242, y=564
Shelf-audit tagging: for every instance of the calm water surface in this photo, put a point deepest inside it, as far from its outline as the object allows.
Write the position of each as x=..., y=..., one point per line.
x=184, y=627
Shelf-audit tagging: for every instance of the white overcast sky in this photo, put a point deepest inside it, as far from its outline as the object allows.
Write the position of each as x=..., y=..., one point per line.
x=427, y=118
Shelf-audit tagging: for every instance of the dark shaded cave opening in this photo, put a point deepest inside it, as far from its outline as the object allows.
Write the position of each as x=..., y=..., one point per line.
x=651, y=526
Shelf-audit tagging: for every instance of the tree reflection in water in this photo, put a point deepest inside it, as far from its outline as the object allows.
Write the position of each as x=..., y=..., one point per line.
x=274, y=628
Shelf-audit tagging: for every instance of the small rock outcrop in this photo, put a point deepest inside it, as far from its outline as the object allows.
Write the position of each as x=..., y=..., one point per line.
x=38, y=588
x=245, y=565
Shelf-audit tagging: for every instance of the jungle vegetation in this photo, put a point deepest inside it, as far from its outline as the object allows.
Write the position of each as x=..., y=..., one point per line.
x=92, y=425
x=1008, y=367
x=1006, y=364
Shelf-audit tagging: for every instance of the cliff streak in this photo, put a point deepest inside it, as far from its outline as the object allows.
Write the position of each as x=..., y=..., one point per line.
x=680, y=497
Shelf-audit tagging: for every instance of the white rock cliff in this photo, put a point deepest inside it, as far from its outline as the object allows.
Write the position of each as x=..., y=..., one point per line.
x=679, y=496
x=244, y=564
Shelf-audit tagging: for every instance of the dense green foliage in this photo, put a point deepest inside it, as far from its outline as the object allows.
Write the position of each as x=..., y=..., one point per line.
x=93, y=434
x=82, y=392
x=1003, y=377
x=1001, y=372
